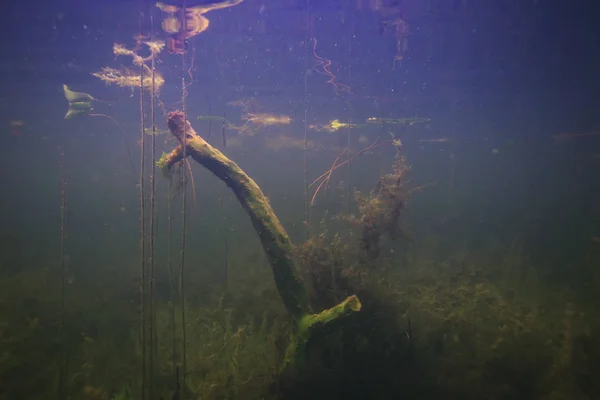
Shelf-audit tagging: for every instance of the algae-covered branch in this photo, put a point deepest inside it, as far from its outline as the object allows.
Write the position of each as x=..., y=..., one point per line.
x=274, y=239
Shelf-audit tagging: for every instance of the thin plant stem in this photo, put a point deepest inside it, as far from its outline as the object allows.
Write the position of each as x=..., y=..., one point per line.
x=143, y=239
x=306, y=204
x=122, y=132
x=63, y=279
x=326, y=173
x=171, y=280
x=183, y=221
x=152, y=287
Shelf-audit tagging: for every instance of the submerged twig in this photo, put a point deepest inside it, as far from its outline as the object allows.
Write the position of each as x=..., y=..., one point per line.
x=326, y=176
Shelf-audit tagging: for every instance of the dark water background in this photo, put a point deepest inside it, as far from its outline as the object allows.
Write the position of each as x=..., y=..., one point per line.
x=499, y=77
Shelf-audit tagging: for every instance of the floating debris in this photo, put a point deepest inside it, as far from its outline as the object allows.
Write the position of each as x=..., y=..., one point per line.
x=216, y=118
x=157, y=132
x=397, y=121
x=437, y=140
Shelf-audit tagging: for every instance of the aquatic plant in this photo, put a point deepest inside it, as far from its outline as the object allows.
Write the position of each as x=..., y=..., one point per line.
x=149, y=79
x=79, y=103
x=454, y=324
x=379, y=212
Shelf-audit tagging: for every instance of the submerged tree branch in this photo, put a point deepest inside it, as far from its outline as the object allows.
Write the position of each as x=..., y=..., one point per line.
x=274, y=239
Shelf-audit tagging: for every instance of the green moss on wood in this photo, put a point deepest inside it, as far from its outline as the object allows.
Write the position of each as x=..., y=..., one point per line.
x=274, y=239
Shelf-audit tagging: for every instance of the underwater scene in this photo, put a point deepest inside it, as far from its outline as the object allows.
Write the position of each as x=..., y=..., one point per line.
x=299, y=199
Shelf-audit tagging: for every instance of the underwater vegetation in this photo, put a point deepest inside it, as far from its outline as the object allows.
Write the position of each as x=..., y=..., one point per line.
x=461, y=327
x=149, y=78
x=357, y=310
